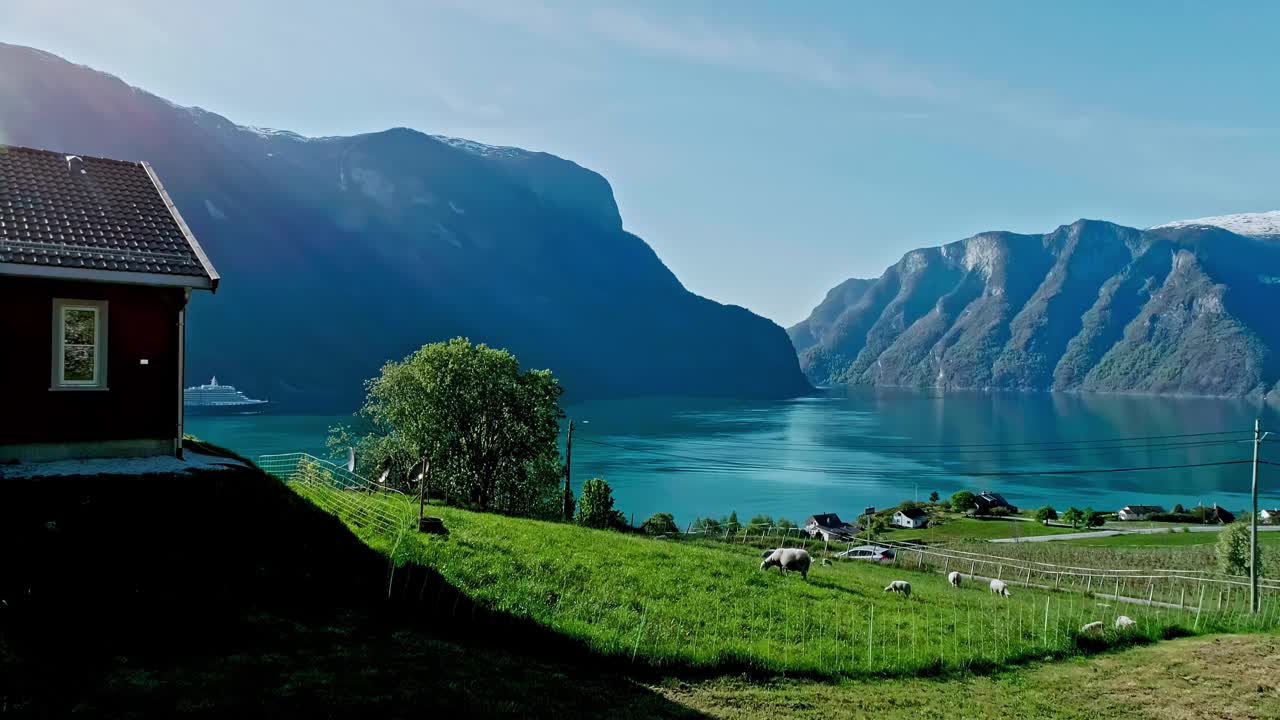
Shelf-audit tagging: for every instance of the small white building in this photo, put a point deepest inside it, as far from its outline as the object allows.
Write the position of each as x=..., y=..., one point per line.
x=829, y=526
x=1269, y=517
x=911, y=518
x=1138, y=512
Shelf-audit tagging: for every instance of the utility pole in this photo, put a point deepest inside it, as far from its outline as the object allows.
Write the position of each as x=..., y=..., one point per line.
x=424, y=480
x=568, y=461
x=1253, y=522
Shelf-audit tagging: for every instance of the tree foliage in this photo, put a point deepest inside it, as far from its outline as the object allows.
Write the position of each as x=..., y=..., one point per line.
x=933, y=496
x=1092, y=518
x=1233, y=549
x=660, y=524
x=1074, y=516
x=1046, y=513
x=595, y=507
x=732, y=524
x=488, y=429
x=963, y=502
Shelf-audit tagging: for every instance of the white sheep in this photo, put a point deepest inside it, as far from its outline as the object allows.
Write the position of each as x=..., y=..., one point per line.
x=1000, y=587
x=1124, y=622
x=953, y=577
x=786, y=559
x=1093, y=628
x=902, y=587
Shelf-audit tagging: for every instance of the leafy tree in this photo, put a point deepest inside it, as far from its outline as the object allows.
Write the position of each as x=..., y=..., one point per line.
x=1233, y=549
x=760, y=522
x=732, y=524
x=488, y=428
x=933, y=496
x=1073, y=516
x=1178, y=509
x=1092, y=518
x=660, y=524
x=877, y=525
x=595, y=507
x=963, y=502
x=785, y=524
x=1046, y=513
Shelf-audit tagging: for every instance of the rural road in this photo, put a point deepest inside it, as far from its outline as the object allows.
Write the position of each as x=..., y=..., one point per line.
x=1135, y=531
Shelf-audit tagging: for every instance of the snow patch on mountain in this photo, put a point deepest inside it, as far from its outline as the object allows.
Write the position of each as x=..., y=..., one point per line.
x=477, y=148
x=1261, y=224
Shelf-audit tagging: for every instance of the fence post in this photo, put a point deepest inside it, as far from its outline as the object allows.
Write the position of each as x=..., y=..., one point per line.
x=1200, y=607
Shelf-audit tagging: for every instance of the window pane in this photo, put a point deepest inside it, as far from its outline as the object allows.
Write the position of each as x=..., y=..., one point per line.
x=77, y=364
x=79, y=327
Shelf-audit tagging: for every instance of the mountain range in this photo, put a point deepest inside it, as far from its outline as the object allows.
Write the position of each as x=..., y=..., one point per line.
x=340, y=253
x=1189, y=307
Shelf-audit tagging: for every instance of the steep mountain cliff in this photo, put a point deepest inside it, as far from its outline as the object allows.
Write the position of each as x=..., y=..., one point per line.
x=1186, y=308
x=339, y=253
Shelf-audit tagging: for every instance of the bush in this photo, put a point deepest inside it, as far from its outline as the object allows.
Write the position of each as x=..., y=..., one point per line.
x=1178, y=509
x=760, y=522
x=963, y=502
x=1233, y=549
x=1046, y=513
x=785, y=524
x=732, y=524
x=1000, y=511
x=595, y=506
x=660, y=524
x=1092, y=518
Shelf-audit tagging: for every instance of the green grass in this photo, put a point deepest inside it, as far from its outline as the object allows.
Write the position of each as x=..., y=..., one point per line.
x=956, y=528
x=1165, y=539
x=671, y=604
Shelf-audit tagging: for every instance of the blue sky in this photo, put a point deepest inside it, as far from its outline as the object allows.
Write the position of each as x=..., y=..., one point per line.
x=766, y=151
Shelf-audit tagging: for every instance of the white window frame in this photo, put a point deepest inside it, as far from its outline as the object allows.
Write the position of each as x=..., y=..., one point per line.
x=58, y=380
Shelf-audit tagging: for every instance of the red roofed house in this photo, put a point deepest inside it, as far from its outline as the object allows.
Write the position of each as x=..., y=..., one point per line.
x=96, y=268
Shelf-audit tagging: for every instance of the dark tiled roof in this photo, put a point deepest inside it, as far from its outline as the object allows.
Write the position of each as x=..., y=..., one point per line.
x=830, y=520
x=1142, y=509
x=111, y=216
x=914, y=513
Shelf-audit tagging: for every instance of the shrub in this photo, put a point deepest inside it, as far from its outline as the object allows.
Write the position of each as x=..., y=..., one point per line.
x=595, y=507
x=1178, y=509
x=785, y=524
x=1046, y=513
x=1092, y=518
x=732, y=524
x=760, y=522
x=963, y=502
x=1000, y=511
x=1233, y=549
x=660, y=524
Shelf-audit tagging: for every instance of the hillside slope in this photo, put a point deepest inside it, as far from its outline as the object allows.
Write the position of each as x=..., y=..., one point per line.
x=359, y=249
x=1092, y=305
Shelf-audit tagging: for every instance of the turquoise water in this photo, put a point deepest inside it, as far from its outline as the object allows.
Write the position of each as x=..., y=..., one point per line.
x=842, y=451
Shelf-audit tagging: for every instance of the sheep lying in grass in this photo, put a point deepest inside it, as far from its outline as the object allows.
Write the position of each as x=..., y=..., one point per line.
x=1093, y=628
x=786, y=559
x=1124, y=622
x=1000, y=587
x=953, y=577
x=902, y=587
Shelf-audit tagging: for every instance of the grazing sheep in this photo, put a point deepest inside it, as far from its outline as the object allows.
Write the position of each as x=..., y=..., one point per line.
x=953, y=577
x=902, y=587
x=788, y=559
x=1124, y=622
x=1093, y=628
x=1000, y=587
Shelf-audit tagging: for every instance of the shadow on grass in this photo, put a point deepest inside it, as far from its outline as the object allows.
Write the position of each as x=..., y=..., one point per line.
x=224, y=593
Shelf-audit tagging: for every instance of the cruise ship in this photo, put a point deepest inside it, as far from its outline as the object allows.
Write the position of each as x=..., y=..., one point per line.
x=220, y=399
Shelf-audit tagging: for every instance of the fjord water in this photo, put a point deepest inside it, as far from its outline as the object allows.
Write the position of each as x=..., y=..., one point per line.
x=843, y=450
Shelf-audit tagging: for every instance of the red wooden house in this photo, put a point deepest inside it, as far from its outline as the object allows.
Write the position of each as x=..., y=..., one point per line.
x=96, y=268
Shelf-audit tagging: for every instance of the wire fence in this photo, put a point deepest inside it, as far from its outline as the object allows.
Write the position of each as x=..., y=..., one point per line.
x=841, y=622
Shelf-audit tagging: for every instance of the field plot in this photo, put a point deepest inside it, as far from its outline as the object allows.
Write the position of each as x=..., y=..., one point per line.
x=676, y=604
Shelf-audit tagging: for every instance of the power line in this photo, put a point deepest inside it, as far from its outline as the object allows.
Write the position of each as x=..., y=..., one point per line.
x=867, y=471
x=1087, y=441
x=905, y=450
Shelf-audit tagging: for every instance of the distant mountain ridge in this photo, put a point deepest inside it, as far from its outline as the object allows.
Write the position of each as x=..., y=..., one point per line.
x=339, y=253
x=1183, y=308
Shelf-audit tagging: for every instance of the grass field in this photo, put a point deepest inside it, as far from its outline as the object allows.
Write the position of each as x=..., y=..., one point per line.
x=955, y=528
x=1166, y=539
x=707, y=606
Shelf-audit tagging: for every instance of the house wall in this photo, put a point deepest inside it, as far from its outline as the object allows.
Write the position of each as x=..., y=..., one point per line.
x=136, y=414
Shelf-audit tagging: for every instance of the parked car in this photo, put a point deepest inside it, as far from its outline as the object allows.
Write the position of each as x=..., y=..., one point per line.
x=874, y=553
